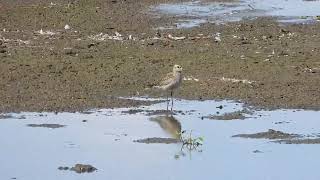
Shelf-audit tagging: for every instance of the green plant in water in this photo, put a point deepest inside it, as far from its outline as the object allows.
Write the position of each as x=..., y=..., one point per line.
x=189, y=141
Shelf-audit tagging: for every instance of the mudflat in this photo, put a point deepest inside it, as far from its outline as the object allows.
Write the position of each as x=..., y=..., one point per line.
x=118, y=48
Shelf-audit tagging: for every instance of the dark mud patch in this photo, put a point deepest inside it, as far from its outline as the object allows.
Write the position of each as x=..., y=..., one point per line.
x=2, y=116
x=237, y=115
x=299, y=141
x=7, y=116
x=51, y=126
x=132, y=111
x=87, y=112
x=152, y=112
x=64, y=168
x=270, y=134
x=157, y=140
x=257, y=151
x=163, y=112
x=79, y=168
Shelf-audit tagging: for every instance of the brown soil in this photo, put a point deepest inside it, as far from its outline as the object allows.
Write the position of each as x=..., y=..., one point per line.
x=68, y=71
x=299, y=141
x=158, y=140
x=270, y=134
x=237, y=115
x=282, y=137
x=83, y=168
x=51, y=126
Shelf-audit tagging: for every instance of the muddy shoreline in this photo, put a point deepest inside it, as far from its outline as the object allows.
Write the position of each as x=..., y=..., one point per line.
x=260, y=62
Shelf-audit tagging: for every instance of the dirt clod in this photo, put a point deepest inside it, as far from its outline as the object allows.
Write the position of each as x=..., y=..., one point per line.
x=158, y=140
x=230, y=116
x=51, y=126
x=270, y=134
x=83, y=168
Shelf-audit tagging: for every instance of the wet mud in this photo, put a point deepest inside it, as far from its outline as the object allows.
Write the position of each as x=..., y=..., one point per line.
x=153, y=112
x=157, y=140
x=282, y=137
x=51, y=126
x=299, y=141
x=83, y=168
x=5, y=116
x=79, y=168
x=237, y=115
x=109, y=50
x=270, y=134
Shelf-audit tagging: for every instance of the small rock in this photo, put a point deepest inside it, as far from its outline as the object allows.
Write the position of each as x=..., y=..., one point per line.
x=219, y=107
x=83, y=168
x=67, y=27
x=217, y=39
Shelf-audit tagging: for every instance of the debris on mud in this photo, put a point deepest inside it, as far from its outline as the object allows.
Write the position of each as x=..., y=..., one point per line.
x=233, y=80
x=51, y=126
x=176, y=37
x=190, y=78
x=67, y=27
x=157, y=140
x=117, y=36
x=270, y=134
x=41, y=32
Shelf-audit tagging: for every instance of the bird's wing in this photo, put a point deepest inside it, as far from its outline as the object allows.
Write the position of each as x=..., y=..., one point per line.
x=166, y=80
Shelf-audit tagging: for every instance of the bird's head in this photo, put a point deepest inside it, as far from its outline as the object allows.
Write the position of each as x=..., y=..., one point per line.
x=177, y=68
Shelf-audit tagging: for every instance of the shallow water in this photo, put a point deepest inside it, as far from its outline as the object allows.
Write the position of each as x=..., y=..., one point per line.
x=195, y=13
x=105, y=140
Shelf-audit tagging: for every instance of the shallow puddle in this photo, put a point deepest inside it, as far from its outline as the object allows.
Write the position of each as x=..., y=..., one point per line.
x=106, y=139
x=196, y=12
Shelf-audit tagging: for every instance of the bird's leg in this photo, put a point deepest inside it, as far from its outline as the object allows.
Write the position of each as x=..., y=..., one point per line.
x=167, y=102
x=171, y=100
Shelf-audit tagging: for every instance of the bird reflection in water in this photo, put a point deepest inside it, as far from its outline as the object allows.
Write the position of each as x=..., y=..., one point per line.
x=169, y=124
x=172, y=126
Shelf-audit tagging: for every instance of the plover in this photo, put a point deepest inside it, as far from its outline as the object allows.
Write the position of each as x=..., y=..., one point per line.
x=171, y=82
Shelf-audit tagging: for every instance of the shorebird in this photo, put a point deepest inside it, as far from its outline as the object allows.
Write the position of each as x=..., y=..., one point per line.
x=171, y=82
